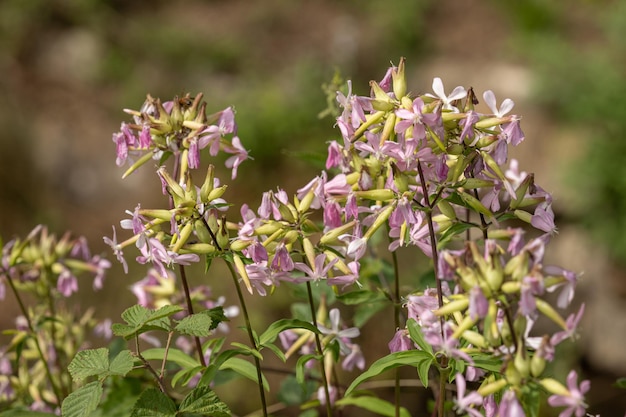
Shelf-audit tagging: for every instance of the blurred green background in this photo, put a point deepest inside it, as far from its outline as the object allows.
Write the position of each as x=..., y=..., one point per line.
x=69, y=67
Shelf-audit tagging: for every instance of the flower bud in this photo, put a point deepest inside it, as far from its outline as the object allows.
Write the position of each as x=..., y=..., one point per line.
x=512, y=375
x=548, y=311
x=555, y=387
x=183, y=236
x=380, y=220
x=222, y=234
x=388, y=128
x=383, y=194
x=238, y=245
x=493, y=165
x=475, y=338
x=537, y=365
x=522, y=364
x=452, y=306
x=241, y=269
x=202, y=232
x=491, y=387
x=332, y=235
x=371, y=119
x=268, y=228
x=381, y=100
x=208, y=184
x=216, y=193
x=491, y=122
x=199, y=248
x=399, y=80
x=446, y=209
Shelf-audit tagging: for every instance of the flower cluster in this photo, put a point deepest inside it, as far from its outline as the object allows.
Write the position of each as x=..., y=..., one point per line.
x=48, y=333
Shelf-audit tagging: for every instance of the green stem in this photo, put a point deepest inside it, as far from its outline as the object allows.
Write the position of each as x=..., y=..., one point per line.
x=396, y=321
x=320, y=351
x=55, y=389
x=183, y=279
x=244, y=310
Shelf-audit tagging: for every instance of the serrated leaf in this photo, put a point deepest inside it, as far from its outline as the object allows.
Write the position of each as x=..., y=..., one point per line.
x=217, y=316
x=140, y=319
x=245, y=369
x=195, y=325
x=415, y=331
x=83, y=401
x=153, y=403
x=393, y=360
x=373, y=404
x=202, y=400
x=279, y=326
x=177, y=356
x=122, y=364
x=90, y=362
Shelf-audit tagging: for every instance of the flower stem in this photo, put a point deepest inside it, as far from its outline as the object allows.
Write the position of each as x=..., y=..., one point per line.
x=244, y=310
x=396, y=321
x=320, y=351
x=55, y=389
x=183, y=279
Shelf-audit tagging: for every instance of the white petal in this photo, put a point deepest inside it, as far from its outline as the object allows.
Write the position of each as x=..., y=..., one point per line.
x=438, y=88
x=490, y=101
x=506, y=106
x=458, y=93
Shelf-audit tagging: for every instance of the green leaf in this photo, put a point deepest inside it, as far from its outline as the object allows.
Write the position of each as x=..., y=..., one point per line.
x=202, y=400
x=122, y=364
x=292, y=392
x=415, y=331
x=422, y=370
x=153, y=403
x=275, y=328
x=486, y=362
x=140, y=319
x=174, y=355
x=373, y=404
x=393, y=360
x=247, y=350
x=83, y=401
x=360, y=297
x=195, y=325
x=90, y=362
x=245, y=369
x=301, y=366
x=452, y=231
x=184, y=375
x=216, y=362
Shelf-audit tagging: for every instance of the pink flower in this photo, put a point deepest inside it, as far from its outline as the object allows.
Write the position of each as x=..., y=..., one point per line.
x=463, y=403
x=575, y=400
x=240, y=155
x=319, y=271
x=400, y=341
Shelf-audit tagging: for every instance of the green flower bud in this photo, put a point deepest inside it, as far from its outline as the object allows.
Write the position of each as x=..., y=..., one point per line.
x=399, y=80
x=475, y=338
x=207, y=185
x=179, y=240
x=452, y=306
x=241, y=269
x=332, y=235
x=522, y=364
x=554, y=387
x=512, y=375
x=383, y=194
x=491, y=387
x=537, y=365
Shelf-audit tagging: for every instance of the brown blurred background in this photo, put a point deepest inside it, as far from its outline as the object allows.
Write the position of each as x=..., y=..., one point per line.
x=69, y=67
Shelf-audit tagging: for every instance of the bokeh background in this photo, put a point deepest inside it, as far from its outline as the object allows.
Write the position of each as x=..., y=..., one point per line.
x=69, y=67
